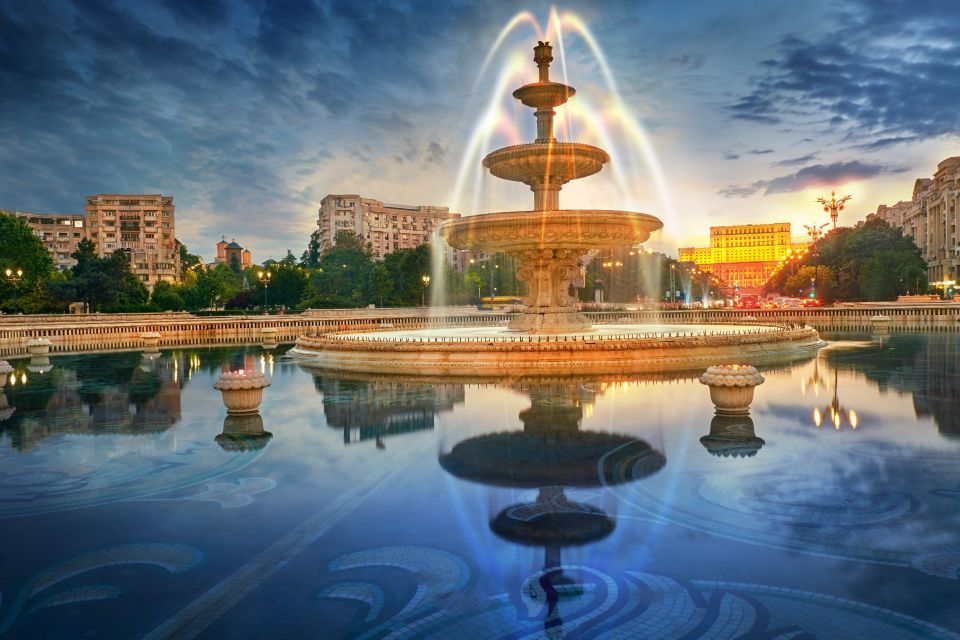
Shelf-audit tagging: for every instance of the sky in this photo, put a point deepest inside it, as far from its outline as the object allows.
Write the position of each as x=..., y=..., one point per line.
x=249, y=112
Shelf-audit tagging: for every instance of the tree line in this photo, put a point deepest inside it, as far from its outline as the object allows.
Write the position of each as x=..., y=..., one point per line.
x=869, y=261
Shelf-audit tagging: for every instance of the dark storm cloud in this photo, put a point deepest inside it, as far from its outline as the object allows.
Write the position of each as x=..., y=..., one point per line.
x=817, y=175
x=887, y=68
x=205, y=100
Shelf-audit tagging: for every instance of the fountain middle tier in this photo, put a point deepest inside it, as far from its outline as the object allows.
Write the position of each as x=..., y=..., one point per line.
x=548, y=246
x=546, y=166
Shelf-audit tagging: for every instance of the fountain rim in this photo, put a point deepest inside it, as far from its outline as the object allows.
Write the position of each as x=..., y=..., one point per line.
x=535, y=355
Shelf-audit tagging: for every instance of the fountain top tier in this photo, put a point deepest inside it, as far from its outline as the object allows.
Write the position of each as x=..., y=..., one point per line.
x=545, y=165
x=548, y=242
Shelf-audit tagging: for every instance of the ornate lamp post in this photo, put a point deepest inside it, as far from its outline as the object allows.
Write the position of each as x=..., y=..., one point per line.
x=264, y=277
x=14, y=275
x=834, y=207
x=423, y=291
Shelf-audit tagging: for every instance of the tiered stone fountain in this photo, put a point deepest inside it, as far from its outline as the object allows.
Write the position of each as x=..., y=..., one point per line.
x=548, y=241
x=550, y=335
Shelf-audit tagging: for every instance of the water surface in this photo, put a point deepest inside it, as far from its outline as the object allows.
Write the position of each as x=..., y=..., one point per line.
x=568, y=507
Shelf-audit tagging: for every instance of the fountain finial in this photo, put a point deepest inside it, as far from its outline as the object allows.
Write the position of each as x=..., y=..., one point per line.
x=543, y=56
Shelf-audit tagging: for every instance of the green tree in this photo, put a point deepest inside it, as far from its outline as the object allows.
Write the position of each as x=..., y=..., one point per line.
x=870, y=261
x=210, y=287
x=286, y=287
x=21, y=249
x=106, y=284
x=188, y=260
x=339, y=278
x=379, y=284
x=166, y=297
x=408, y=266
x=311, y=257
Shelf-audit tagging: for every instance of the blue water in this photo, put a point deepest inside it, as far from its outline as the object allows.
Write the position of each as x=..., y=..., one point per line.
x=353, y=507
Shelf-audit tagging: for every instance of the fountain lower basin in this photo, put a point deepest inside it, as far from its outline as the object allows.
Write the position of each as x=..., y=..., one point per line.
x=495, y=351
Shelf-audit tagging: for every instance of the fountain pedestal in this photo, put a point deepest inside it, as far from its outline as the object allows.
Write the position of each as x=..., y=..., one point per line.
x=548, y=305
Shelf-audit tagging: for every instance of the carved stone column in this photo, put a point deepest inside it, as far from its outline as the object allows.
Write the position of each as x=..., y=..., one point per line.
x=548, y=306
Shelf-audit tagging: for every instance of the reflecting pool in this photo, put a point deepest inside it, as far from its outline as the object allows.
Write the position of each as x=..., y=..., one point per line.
x=131, y=506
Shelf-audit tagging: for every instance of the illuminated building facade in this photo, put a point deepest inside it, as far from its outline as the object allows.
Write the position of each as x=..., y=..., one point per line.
x=745, y=255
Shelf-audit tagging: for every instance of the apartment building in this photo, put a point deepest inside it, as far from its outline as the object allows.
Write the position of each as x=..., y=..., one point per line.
x=141, y=224
x=59, y=232
x=385, y=227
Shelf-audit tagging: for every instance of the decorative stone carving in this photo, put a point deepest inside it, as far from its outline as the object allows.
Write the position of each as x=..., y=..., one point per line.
x=5, y=370
x=731, y=387
x=39, y=346
x=242, y=391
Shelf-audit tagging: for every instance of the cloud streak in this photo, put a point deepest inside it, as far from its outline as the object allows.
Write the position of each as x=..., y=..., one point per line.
x=818, y=175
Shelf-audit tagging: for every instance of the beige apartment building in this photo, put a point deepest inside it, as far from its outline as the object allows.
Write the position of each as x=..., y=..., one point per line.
x=141, y=224
x=745, y=254
x=59, y=232
x=386, y=227
x=931, y=217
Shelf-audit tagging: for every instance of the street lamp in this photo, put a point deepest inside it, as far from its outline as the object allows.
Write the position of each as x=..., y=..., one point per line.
x=423, y=292
x=833, y=206
x=264, y=277
x=14, y=275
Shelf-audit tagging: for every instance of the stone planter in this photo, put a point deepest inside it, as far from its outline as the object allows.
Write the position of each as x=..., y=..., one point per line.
x=151, y=341
x=39, y=346
x=731, y=387
x=5, y=370
x=242, y=391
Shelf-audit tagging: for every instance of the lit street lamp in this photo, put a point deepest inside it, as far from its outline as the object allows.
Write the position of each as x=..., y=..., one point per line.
x=423, y=292
x=264, y=277
x=834, y=207
x=14, y=276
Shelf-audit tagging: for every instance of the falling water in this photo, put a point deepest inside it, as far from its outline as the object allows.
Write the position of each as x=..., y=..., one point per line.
x=438, y=276
x=614, y=127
